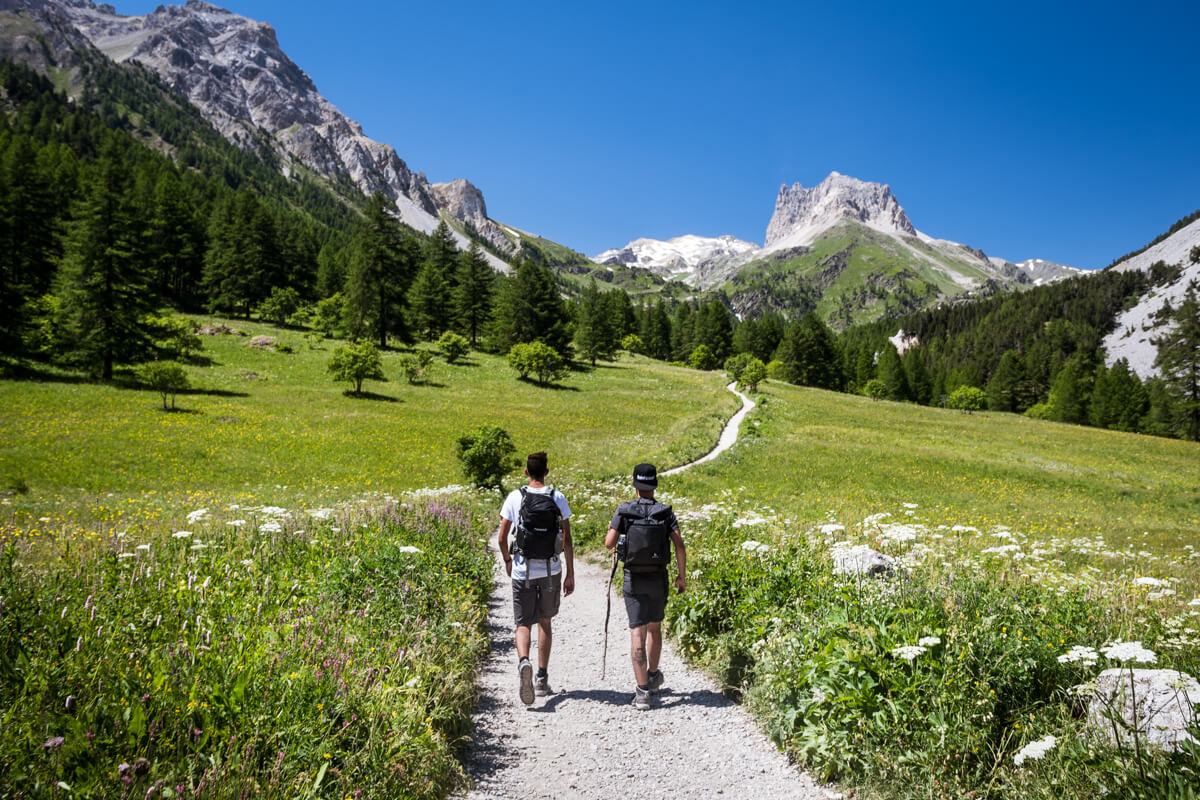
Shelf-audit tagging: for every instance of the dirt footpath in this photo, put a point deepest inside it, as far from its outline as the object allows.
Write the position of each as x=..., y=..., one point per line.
x=586, y=740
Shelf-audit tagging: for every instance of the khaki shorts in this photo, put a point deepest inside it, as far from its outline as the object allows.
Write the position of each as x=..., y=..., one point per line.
x=537, y=600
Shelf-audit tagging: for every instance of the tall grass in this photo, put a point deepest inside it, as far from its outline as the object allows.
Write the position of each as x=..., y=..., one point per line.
x=325, y=654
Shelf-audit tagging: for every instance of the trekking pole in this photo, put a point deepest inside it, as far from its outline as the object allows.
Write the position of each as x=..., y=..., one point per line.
x=607, y=612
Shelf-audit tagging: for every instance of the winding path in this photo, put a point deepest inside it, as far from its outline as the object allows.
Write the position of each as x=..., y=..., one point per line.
x=587, y=741
x=729, y=433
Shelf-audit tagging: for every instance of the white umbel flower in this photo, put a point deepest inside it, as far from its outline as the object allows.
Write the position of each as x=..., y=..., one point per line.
x=1129, y=651
x=1035, y=751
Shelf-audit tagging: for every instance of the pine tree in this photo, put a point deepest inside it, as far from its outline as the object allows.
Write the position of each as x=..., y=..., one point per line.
x=529, y=308
x=176, y=243
x=810, y=354
x=594, y=330
x=474, y=293
x=429, y=300
x=1070, y=391
x=1005, y=387
x=683, y=332
x=379, y=272
x=656, y=330
x=920, y=384
x=106, y=289
x=441, y=252
x=714, y=330
x=890, y=370
x=1178, y=361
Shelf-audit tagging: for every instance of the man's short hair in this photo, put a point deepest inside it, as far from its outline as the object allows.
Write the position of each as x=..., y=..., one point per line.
x=535, y=465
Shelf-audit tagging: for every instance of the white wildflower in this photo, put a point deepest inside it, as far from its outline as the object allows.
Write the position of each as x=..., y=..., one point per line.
x=181, y=534
x=1195, y=601
x=908, y=651
x=929, y=641
x=197, y=515
x=246, y=562
x=1129, y=651
x=273, y=511
x=408, y=548
x=127, y=555
x=270, y=527
x=143, y=547
x=1155, y=582
x=911, y=505
x=1081, y=654
x=751, y=546
x=236, y=523
x=1035, y=750
x=832, y=528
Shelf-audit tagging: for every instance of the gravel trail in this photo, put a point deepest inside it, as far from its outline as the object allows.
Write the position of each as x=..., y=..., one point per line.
x=587, y=741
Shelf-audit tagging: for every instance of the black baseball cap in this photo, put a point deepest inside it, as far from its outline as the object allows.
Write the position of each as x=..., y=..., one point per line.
x=645, y=476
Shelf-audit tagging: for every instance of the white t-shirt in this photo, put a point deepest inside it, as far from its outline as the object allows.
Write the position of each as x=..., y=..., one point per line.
x=511, y=511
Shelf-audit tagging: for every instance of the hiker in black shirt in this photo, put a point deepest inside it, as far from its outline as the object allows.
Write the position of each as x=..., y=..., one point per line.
x=642, y=531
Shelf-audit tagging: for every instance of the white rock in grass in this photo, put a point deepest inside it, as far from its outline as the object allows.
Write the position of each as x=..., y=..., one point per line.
x=861, y=560
x=1159, y=703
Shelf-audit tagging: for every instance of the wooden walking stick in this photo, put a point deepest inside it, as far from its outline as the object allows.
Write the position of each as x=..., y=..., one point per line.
x=607, y=612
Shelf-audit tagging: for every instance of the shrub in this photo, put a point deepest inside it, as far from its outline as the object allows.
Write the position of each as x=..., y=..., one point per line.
x=356, y=363
x=702, y=358
x=282, y=304
x=968, y=399
x=453, y=346
x=777, y=370
x=735, y=364
x=414, y=366
x=875, y=389
x=537, y=358
x=327, y=315
x=165, y=377
x=486, y=455
x=175, y=337
x=633, y=344
x=754, y=374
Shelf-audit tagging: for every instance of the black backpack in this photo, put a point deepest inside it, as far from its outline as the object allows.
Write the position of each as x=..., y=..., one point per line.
x=647, y=537
x=538, y=525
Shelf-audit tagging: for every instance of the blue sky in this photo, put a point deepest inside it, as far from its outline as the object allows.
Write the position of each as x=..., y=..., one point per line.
x=1065, y=131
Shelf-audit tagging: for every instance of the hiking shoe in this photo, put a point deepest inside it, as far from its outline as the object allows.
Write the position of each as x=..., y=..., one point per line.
x=641, y=698
x=656, y=681
x=541, y=686
x=525, y=669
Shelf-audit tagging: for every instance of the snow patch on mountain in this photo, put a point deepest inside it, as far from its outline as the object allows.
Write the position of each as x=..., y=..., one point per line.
x=681, y=258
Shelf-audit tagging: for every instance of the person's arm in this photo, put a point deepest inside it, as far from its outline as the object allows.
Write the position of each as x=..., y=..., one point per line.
x=611, y=538
x=502, y=543
x=569, y=554
x=680, y=561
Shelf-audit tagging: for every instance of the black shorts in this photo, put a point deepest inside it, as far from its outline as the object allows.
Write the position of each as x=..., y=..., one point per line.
x=645, y=597
x=536, y=601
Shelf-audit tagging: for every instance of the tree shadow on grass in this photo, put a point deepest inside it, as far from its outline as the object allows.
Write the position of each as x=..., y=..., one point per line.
x=180, y=410
x=353, y=395
x=556, y=386
x=431, y=384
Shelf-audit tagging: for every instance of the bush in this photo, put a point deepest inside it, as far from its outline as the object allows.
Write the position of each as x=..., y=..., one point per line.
x=777, y=370
x=537, y=358
x=356, y=363
x=414, y=366
x=453, y=346
x=735, y=364
x=327, y=315
x=175, y=337
x=875, y=389
x=968, y=399
x=282, y=304
x=702, y=358
x=754, y=374
x=633, y=344
x=486, y=455
x=165, y=377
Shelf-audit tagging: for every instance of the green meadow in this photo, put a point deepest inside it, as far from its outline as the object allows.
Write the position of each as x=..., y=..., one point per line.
x=165, y=573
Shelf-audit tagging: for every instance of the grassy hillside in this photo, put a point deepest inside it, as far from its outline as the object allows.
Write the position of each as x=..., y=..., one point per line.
x=272, y=427
x=850, y=275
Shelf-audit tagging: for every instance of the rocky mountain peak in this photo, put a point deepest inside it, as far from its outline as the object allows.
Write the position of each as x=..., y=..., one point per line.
x=233, y=69
x=463, y=201
x=801, y=214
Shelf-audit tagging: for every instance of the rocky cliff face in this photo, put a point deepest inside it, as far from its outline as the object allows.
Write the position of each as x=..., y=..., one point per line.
x=233, y=69
x=462, y=200
x=801, y=215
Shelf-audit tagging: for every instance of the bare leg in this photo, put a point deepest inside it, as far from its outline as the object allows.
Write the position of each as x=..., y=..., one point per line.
x=522, y=642
x=637, y=653
x=653, y=645
x=545, y=639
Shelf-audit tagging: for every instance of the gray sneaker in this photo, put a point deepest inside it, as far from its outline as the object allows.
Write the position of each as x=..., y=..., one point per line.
x=641, y=698
x=541, y=687
x=525, y=670
x=656, y=681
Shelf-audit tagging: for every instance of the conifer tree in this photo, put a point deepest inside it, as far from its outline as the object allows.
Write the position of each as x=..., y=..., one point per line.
x=714, y=330
x=1178, y=361
x=683, y=332
x=594, y=329
x=429, y=300
x=378, y=275
x=529, y=308
x=441, y=252
x=920, y=384
x=175, y=243
x=810, y=354
x=105, y=287
x=656, y=330
x=890, y=370
x=1004, y=390
x=474, y=293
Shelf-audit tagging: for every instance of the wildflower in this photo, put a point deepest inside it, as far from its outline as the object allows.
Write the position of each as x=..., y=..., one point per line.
x=270, y=527
x=929, y=641
x=1155, y=582
x=53, y=743
x=751, y=546
x=1081, y=654
x=908, y=651
x=237, y=523
x=197, y=515
x=1035, y=750
x=181, y=534
x=143, y=547
x=408, y=548
x=1129, y=651
x=911, y=505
